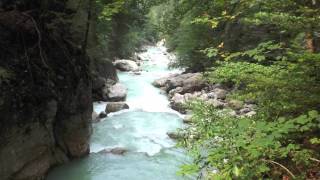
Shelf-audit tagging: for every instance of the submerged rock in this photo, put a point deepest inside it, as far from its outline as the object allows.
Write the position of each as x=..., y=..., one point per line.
x=126, y=65
x=116, y=106
x=115, y=151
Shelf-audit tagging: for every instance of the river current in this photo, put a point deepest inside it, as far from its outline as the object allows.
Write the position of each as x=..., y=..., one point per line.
x=142, y=130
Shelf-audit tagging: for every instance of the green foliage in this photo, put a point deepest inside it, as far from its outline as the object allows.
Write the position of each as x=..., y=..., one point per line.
x=5, y=75
x=123, y=26
x=269, y=52
x=250, y=148
x=110, y=9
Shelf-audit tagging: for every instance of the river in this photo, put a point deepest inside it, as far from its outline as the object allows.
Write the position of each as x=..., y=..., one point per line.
x=142, y=130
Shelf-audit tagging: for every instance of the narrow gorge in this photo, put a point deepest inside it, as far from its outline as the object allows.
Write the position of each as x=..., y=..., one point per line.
x=159, y=89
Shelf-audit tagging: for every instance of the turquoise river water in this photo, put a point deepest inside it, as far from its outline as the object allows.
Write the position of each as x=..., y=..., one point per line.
x=142, y=130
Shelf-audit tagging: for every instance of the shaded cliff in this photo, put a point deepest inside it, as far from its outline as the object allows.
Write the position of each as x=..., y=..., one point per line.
x=45, y=84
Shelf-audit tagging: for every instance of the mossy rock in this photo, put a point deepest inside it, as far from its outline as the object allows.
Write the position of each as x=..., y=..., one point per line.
x=236, y=104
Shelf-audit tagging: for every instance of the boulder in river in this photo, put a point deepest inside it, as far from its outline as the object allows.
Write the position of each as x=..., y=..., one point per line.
x=189, y=82
x=116, y=106
x=126, y=65
x=117, y=92
x=162, y=81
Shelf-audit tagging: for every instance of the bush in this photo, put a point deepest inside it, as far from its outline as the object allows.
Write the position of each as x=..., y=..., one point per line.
x=227, y=147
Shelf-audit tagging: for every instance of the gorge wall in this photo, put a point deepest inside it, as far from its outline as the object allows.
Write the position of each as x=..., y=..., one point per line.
x=45, y=84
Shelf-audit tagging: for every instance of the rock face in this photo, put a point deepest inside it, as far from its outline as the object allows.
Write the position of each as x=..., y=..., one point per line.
x=45, y=85
x=116, y=106
x=104, y=76
x=126, y=65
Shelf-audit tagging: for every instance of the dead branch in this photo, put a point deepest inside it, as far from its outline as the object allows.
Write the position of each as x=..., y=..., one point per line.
x=282, y=166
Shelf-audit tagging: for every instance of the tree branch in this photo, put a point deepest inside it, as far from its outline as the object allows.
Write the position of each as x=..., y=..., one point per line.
x=282, y=166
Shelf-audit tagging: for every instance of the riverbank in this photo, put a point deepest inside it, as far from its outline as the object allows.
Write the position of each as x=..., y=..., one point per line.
x=183, y=88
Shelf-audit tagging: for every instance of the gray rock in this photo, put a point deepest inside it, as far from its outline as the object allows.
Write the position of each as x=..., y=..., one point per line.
x=162, y=81
x=115, y=151
x=245, y=110
x=178, y=98
x=216, y=103
x=220, y=93
x=175, y=135
x=177, y=103
x=193, y=83
x=174, y=91
x=116, y=106
x=117, y=92
x=211, y=95
x=126, y=65
x=187, y=119
x=190, y=82
x=119, y=151
x=250, y=114
x=232, y=113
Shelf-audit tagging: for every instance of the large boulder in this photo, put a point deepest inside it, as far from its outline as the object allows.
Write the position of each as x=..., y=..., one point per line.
x=195, y=82
x=189, y=82
x=117, y=92
x=116, y=106
x=162, y=81
x=126, y=65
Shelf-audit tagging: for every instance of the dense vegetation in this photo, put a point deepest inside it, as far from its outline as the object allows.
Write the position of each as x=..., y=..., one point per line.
x=269, y=51
x=123, y=26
